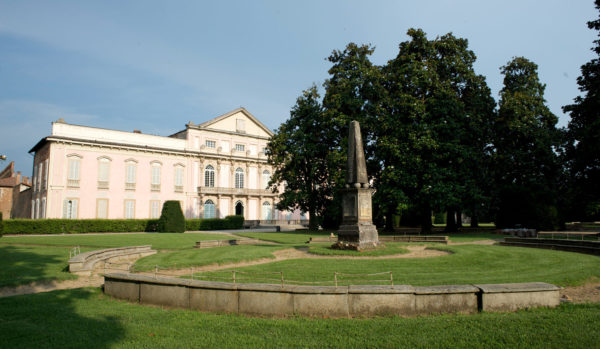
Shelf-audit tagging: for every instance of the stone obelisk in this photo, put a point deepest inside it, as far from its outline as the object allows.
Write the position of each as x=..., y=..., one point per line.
x=357, y=230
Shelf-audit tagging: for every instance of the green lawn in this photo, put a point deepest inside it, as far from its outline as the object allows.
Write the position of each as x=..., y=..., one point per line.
x=205, y=256
x=26, y=264
x=170, y=241
x=469, y=264
x=85, y=318
x=290, y=238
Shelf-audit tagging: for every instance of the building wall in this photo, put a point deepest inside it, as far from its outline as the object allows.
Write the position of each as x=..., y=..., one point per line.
x=188, y=149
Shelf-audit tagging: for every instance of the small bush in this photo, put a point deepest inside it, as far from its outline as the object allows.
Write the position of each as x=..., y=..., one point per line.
x=73, y=226
x=230, y=222
x=171, y=218
x=1, y=225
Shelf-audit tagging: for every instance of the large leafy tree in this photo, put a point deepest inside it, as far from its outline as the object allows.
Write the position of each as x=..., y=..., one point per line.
x=583, y=149
x=436, y=127
x=304, y=164
x=526, y=164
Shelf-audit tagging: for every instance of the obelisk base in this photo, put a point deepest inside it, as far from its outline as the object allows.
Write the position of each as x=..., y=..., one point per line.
x=359, y=236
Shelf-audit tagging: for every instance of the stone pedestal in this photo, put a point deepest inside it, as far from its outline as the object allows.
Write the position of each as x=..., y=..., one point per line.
x=357, y=230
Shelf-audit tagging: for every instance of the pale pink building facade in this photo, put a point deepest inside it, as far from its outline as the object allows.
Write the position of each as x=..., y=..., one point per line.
x=214, y=169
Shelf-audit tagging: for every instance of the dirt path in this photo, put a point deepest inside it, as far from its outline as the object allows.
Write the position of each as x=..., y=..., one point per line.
x=38, y=287
x=477, y=242
x=586, y=293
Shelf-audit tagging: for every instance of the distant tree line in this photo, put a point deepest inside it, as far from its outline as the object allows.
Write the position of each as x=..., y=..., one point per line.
x=437, y=141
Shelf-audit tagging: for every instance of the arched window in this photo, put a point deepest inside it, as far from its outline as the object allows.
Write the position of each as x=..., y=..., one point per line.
x=209, y=209
x=266, y=211
x=266, y=178
x=239, y=178
x=209, y=176
x=155, y=176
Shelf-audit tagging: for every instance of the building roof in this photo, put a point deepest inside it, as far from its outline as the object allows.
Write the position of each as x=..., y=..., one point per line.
x=243, y=110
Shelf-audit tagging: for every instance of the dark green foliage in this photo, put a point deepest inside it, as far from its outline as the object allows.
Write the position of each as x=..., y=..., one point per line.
x=1, y=224
x=583, y=140
x=301, y=151
x=230, y=222
x=171, y=218
x=73, y=226
x=439, y=218
x=527, y=167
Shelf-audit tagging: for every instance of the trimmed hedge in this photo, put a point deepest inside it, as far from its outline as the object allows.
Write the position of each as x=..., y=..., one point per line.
x=230, y=222
x=74, y=226
x=171, y=218
x=1, y=224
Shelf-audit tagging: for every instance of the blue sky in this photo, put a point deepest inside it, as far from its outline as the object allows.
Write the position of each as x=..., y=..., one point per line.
x=155, y=65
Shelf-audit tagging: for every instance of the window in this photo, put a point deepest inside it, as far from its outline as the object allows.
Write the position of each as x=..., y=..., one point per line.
x=39, y=176
x=43, y=208
x=266, y=211
x=240, y=125
x=179, y=178
x=211, y=144
x=155, y=177
x=34, y=180
x=130, y=175
x=209, y=176
x=73, y=174
x=103, y=173
x=129, y=209
x=45, y=177
x=70, y=207
x=239, y=178
x=266, y=178
x=154, y=209
x=102, y=208
x=240, y=147
x=209, y=209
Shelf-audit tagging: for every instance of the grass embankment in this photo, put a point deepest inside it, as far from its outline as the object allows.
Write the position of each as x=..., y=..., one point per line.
x=26, y=259
x=26, y=264
x=87, y=318
x=206, y=256
x=166, y=241
x=468, y=264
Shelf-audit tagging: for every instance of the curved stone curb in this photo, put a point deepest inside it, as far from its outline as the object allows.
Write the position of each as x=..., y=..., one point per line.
x=84, y=263
x=328, y=301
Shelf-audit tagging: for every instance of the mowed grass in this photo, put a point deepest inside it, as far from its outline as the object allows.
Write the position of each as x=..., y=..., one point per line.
x=27, y=264
x=468, y=264
x=169, y=241
x=85, y=318
x=205, y=256
x=289, y=238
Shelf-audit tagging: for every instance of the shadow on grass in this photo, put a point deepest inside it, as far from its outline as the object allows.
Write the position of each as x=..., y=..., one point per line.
x=24, y=265
x=58, y=319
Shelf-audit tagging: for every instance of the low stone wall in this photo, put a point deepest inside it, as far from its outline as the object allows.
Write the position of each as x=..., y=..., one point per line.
x=328, y=301
x=581, y=246
x=85, y=263
x=218, y=243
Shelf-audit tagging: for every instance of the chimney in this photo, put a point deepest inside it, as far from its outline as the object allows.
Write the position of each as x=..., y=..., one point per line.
x=18, y=177
x=137, y=131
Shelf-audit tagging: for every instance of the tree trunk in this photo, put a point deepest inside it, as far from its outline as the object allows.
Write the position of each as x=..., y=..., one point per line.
x=313, y=222
x=459, y=218
x=451, y=221
x=474, y=221
x=389, y=219
x=426, y=219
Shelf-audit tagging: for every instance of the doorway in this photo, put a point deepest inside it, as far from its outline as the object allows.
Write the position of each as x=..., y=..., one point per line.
x=239, y=208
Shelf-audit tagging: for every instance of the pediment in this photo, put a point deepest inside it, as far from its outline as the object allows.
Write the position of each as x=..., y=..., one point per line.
x=238, y=121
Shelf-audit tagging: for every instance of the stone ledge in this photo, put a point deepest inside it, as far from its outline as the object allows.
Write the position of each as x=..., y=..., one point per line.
x=520, y=287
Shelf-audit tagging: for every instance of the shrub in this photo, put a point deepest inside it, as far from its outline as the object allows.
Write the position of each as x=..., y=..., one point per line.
x=71, y=226
x=439, y=218
x=1, y=224
x=171, y=218
x=230, y=222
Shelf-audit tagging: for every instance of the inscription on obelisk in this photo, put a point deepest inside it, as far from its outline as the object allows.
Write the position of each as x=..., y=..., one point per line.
x=357, y=230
